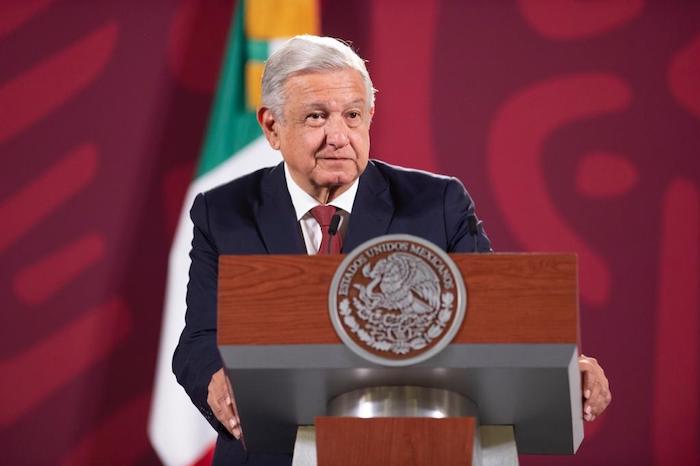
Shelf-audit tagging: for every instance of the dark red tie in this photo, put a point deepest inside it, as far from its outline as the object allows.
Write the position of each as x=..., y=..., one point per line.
x=323, y=215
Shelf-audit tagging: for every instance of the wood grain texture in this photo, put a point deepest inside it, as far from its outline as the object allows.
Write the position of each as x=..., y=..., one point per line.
x=394, y=441
x=512, y=298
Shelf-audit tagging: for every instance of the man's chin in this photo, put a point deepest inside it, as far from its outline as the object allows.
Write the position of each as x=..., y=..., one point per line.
x=335, y=179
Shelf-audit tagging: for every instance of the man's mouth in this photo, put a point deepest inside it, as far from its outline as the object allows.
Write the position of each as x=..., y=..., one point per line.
x=334, y=158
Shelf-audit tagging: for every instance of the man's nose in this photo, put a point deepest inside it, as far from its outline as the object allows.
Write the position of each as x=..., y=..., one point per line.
x=336, y=133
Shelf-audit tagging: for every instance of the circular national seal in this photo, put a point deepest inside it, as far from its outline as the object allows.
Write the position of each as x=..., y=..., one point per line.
x=397, y=300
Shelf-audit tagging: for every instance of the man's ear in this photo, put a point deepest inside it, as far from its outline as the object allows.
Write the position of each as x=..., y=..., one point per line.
x=269, y=125
x=371, y=114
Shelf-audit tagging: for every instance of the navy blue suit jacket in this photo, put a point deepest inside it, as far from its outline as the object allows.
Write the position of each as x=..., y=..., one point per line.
x=254, y=215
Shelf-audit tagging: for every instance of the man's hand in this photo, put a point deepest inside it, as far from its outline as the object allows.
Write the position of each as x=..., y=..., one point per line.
x=596, y=391
x=222, y=404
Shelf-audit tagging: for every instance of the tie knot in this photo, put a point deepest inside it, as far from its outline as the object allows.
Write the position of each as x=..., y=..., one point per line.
x=323, y=214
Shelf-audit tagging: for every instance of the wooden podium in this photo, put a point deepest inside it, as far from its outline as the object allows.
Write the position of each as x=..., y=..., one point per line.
x=515, y=356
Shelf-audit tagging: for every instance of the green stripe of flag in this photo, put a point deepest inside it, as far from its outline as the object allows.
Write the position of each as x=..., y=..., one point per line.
x=231, y=126
x=257, y=50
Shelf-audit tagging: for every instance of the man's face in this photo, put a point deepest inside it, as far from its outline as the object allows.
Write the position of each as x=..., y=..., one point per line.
x=324, y=130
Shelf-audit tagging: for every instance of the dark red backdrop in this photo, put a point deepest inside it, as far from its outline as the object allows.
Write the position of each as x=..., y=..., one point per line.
x=575, y=125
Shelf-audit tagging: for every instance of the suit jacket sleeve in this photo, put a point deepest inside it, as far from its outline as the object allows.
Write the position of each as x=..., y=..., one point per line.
x=196, y=357
x=458, y=207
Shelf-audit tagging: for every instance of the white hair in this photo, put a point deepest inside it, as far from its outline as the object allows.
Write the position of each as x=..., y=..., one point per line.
x=308, y=54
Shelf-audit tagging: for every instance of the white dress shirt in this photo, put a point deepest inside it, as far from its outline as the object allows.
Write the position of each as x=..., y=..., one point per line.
x=303, y=203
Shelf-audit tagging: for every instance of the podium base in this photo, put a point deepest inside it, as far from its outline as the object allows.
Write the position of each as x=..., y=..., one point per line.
x=493, y=446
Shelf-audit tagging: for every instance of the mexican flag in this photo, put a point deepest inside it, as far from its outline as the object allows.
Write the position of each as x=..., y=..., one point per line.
x=233, y=146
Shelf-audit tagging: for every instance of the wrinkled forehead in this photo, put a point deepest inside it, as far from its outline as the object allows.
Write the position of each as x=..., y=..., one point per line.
x=344, y=86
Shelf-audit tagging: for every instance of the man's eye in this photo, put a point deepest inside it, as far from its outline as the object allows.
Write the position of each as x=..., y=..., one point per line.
x=353, y=115
x=314, y=116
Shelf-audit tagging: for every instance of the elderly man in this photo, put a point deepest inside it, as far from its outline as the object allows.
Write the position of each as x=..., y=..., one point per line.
x=317, y=107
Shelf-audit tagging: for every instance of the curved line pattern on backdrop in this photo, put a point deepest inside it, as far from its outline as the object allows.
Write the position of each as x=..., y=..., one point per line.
x=518, y=181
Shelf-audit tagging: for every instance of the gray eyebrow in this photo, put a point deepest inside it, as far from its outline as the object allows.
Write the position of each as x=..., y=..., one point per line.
x=310, y=105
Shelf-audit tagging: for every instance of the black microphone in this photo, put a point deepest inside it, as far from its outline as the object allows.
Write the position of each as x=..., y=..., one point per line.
x=333, y=229
x=473, y=227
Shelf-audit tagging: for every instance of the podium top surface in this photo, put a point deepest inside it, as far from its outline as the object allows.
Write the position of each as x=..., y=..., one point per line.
x=512, y=298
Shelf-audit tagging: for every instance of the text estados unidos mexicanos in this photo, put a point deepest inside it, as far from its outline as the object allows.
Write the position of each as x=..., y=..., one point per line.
x=395, y=246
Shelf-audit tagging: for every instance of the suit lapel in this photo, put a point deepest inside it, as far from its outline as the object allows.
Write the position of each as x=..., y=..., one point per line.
x=372, y=210
x=275, y=215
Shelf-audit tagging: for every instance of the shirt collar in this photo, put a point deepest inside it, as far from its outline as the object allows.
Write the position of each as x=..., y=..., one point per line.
x=303, y=202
